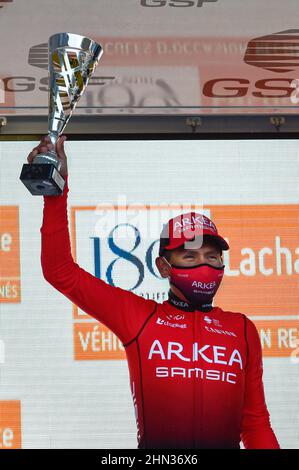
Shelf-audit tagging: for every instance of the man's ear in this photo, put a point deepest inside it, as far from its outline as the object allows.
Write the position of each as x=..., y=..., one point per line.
x=162, y=266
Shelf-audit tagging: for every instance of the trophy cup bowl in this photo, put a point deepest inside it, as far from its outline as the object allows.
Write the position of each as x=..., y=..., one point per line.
x=72, y=61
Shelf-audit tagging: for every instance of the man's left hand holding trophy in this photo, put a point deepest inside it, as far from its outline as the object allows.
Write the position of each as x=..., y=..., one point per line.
x=45, y=145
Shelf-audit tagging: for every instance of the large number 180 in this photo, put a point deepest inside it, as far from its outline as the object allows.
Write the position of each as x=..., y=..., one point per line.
x=123, y=254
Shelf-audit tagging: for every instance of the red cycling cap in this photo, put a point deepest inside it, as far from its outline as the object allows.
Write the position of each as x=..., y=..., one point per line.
x=184, y=228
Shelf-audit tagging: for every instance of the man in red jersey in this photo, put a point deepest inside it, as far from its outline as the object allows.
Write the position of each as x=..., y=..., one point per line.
x=195, y=369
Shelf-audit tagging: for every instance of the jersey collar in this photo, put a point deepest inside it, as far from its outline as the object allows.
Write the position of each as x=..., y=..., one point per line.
x=176, y=302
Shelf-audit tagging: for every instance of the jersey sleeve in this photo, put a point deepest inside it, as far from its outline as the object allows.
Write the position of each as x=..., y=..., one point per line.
x=256, y=431
x=122, y=311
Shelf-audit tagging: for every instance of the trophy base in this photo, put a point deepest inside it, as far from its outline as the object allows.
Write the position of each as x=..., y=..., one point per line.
x=42, y=179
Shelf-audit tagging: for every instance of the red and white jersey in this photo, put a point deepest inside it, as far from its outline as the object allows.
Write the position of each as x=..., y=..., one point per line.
x=196, y=377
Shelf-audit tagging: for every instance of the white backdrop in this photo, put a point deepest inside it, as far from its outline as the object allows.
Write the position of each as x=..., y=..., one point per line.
x=68, y=403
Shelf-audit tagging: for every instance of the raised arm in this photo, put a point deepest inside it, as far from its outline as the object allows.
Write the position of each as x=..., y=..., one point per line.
x=256, y=431
x=122, y=311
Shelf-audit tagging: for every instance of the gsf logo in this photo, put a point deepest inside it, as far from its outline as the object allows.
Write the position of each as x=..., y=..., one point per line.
x=240, y=87
x=174, y=3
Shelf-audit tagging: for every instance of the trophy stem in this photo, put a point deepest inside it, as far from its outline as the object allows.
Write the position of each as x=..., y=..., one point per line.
x=53, y=137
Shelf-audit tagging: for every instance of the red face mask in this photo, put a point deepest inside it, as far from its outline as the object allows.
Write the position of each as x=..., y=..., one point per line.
x=198, y=283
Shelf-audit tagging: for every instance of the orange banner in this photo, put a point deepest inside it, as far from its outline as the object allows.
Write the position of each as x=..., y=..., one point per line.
x=10, y=424
x=262, y=265
x=93, y=341
x=279, y=338
x=10, y=291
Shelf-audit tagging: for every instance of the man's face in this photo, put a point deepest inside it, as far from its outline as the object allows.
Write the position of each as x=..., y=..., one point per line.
x=208, y=253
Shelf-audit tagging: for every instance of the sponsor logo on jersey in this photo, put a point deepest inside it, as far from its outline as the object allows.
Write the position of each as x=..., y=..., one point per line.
x=212, y=320
x=175, y=317
x=220, y=332
x=211, y=354
x=179, y=303
x=160, y=321
x=210, y=374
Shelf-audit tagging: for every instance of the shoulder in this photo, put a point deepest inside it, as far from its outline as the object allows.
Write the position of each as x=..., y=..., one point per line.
x=249, y=326
x=247, y=330
x=140, y=302
x=232, y=316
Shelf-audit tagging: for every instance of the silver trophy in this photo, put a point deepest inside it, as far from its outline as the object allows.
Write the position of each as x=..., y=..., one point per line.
x=72, y=61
